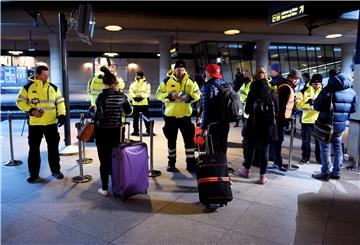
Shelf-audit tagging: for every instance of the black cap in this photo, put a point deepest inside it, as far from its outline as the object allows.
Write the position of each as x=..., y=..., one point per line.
x=316, y=77
x=140, y=74
x=180, y=63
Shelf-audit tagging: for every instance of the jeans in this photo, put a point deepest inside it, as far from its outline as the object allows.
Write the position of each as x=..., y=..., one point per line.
x=325, y=149
x=263, y=155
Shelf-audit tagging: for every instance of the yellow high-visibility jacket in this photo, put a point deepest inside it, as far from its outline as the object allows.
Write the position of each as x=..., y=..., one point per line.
x=96, y=86
x=36, y=94
x=140, y=88
x=171, y=85
x=309, y=115
x=243, y=93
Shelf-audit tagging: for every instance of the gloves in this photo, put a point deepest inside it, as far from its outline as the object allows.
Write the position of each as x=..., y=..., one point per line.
x=61, y=120
x=310, y=101
x=138, y=99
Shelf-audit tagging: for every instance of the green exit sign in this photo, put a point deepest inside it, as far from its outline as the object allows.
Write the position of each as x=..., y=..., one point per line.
x=287, y=14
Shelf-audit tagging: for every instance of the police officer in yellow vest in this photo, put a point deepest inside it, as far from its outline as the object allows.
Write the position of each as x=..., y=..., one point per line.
x=304, y=101
x=286, y=95
x=96, y=84
x=178, y=91
x=113, y=69
x=139, y=93
x=244, y=91
x=44, y=103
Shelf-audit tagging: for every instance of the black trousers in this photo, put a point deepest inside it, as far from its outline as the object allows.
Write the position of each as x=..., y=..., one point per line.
x=106, y=139
x=219, y=137
x=52, y=138
x=245, y=144
x=263, y=154
x=187, y=129
x=136, y=114
x=306, y=132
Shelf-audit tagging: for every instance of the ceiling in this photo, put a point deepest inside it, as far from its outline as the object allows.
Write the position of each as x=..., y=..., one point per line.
x=186, y=22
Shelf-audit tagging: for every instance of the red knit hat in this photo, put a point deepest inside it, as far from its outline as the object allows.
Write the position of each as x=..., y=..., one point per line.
x=214, y=70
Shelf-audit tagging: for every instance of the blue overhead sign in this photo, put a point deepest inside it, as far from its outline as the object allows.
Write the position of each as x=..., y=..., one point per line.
x=287, y=14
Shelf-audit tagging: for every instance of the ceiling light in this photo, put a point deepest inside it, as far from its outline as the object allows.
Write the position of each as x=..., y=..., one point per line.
x=87, y=65
x=158, y=55
x=231, y=32
x=132, y=66
x=319, y=56
x=113, y=28
x=333, y=36
x=15, y=52
x=111, y=54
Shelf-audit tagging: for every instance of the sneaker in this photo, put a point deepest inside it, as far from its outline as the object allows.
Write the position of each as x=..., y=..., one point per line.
x=32, y=179
x=243, y=172
x=263, y=179
x=336, y=177
x=324, y=177
x=304, y=161
x=148, y=133
x=135, y=134
x=279, y=167
x=103, y=192
x=58, y=175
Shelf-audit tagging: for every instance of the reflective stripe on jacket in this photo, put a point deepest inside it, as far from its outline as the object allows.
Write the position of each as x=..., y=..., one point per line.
x=36, y=94
x=140, y=88
x=171, y=85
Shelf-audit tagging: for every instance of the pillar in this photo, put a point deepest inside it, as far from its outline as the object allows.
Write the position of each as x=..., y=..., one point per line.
x=165, y=59
x=354, y=128
x=262, y=53
x=347, y=54
x=55, y=60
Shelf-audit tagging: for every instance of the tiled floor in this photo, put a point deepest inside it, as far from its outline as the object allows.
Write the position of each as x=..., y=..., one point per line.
x=291, y=208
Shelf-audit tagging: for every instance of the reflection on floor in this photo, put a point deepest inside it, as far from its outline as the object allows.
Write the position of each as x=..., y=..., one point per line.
x=292, y=208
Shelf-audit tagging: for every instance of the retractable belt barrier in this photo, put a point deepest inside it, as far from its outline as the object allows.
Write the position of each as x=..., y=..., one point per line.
x=12, y=162
x=152, y=173
x=290, y=166
x=81, y=178
x=85, y=160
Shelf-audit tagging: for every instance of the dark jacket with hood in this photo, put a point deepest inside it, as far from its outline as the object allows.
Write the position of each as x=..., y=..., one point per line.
x=261, y=130
x=210, y=101
x=344, y=102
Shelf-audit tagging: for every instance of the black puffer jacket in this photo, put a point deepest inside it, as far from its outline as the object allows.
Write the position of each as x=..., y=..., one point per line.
x=110, y=107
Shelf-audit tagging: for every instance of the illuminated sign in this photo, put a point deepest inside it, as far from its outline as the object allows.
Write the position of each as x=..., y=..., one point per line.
x=288, y=14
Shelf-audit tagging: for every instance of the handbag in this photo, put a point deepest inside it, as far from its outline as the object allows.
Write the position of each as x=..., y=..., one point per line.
x=323, y=131
x=87, y=132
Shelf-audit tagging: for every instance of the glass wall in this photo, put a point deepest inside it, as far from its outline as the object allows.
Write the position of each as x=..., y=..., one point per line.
x=238, y=56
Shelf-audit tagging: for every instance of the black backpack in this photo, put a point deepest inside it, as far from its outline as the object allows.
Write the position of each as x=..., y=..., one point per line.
x=264, y=111
x=230, y=104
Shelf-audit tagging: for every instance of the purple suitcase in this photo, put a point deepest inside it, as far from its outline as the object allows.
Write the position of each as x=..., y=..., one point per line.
x=130, y=169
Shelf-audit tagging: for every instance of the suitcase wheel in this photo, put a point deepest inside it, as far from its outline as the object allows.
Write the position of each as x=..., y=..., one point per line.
x=144, y=192
x=212, y=207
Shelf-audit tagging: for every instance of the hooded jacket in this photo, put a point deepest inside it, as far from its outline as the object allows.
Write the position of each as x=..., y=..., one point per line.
x=140, y=88
x=171, y=84
x=344, y=102
x=38, y=95
x=210, y=101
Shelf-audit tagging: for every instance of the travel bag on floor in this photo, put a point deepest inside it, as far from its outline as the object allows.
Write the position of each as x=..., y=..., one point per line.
x=130, y=169
x=213, y=179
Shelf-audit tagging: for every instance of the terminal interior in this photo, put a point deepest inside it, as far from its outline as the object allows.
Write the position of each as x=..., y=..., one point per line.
x=292, y=208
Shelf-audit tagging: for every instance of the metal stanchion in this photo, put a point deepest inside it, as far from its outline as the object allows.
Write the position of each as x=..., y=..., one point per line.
x=152, y=173
x=12, y=162
x=81, y=178
x=141, y=123
x=290, y=166
x=85, y=160
x=356, y=166
x=25, y=120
